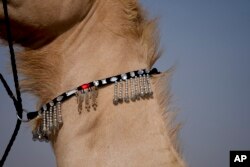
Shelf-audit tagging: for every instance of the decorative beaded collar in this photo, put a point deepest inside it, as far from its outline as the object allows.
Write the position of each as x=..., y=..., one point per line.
x=130, y=86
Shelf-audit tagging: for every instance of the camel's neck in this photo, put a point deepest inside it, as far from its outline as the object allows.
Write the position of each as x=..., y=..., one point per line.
x=112, y=39
x=100, y=47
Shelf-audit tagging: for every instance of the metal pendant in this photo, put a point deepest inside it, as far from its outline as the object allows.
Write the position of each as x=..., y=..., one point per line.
x=135, y=88
x=51, y=121
x=88, y=97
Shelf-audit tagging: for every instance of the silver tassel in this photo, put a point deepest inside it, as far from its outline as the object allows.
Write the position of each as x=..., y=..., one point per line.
x=40, y=133
x=80, y=99
x=132, y=90
x=145, y=85
x=59, y=113
x=126, y=98
x=150, y=92
x=44, y=129
x=51, y=121
x=115, y=99
x=55, y=123
x=50, y=118
x=141, y=86
x=94, y=94
x=137, y=92
x=120, y=93
x=35, y=135
x=47, y=122
x=87, y=98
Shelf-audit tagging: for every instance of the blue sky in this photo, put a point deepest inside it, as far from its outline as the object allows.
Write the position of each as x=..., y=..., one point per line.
x=209, y=42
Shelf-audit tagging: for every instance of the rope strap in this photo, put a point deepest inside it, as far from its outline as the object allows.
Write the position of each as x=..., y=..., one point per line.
x=18, y=100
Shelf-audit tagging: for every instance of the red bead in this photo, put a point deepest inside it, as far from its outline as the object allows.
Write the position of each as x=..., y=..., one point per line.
x=85, y=86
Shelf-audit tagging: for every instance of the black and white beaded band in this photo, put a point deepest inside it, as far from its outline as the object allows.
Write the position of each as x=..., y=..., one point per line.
x=129, y=86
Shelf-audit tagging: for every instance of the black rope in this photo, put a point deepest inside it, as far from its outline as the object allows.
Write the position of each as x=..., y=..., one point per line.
x=17, y=101
x=7, y=150
x=7, y=88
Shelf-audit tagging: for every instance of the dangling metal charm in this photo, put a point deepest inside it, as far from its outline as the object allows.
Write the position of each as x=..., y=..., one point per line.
x=115, y=99
x=80, y=99
x=141, y=86
x=87, y=99
x=59, y=113
x=88, y=95
x=145, y=85
x=94, y=95
x=44, y=122
x=120, y=93
x=133, y=88
x=55, y=121
x=126, y=98
x=137, y=92
x=150, y=92
x=47, y=123
x=50, y=120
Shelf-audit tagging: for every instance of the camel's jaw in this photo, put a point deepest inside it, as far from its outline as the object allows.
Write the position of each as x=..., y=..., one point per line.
x=31, y=24
x=24, y=35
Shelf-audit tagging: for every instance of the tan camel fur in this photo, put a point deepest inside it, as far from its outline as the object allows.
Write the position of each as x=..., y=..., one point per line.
x=70, y=42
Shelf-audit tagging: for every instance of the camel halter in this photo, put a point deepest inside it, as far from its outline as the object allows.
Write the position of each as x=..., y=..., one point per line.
x=130, y=86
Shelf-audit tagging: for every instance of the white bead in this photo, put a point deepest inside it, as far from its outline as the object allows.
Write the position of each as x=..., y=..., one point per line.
x=113, y=79
x=140, y=72
x=51, y=103
x=69, y=93
x=132, y=74
x=59, y=98
x=104, y=81
x=124, y=76
x=96, y=83
x=44, y=107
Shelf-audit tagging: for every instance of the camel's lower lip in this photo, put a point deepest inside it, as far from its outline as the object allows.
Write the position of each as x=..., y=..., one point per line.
x=2, y=23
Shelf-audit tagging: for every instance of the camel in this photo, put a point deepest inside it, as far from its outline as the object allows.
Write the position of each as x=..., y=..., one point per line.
x=67, y=43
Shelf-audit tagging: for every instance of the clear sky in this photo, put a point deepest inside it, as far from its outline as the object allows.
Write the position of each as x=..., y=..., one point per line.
x=209, y=42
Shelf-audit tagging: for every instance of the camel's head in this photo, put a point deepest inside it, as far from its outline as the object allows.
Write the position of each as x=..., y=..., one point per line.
x=42, y=19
